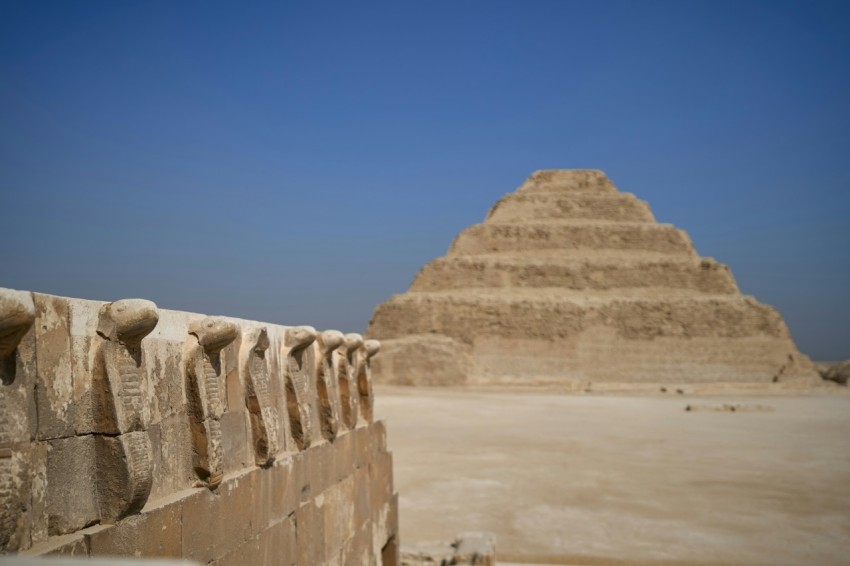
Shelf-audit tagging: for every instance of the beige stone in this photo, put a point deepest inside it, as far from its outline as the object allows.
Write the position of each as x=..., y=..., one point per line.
x=204, y=391
x=349, y=366
x=328, y=382
x=144, y=409
x=570, y=282
x=17, y=377
x=300, y=372
x=259, y=398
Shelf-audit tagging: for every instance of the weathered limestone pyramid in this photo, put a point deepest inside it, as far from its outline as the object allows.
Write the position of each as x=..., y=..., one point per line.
x=570, y=281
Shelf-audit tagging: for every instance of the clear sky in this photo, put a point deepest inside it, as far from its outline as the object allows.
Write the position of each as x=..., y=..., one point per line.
x=299, y=162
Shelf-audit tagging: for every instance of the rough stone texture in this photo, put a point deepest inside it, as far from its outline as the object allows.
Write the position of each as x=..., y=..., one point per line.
x=570, y=282
x=169, y=434
x=839, y=372
x=468, y=549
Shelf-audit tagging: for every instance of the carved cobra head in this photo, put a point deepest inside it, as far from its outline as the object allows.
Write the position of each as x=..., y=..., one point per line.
x=300, y=336
x=371, y=347
x=351, y=342
x=214, y=333
x=128, y=320
x=329, y=340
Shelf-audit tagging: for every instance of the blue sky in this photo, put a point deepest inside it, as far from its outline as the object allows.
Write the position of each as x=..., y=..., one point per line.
x=299, y=162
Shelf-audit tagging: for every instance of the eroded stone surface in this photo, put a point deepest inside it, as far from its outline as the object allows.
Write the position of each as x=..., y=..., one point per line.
x=300, y=364
x=328, y=382
x=259, y=399
x=142, y=406
x=204, y=394
x=17, y=373
x=349, y=363
x=124, y=461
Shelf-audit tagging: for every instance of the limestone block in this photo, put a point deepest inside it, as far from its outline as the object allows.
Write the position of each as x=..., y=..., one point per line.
x=156, y=533
x=328, y=382
x=17, y=378
x=349, y=363
x=204, y=386
x=338, y=515
x=423, y=359
x=71, y=495
x=258, y=396
x=310, y=532
x=236, y=441
x=55, y=386
x=358, y=549
x=204, y=536
x=300, y=371
x=344, y=455
x=275, y=545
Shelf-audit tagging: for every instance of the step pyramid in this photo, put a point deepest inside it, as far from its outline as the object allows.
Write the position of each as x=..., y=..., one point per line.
x=570, y=281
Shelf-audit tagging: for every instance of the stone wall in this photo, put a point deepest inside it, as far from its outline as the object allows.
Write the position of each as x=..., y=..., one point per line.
x=131, y=430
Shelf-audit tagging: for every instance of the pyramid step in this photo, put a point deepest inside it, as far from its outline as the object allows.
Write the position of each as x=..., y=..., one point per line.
x=469, y=316
x=492, y=237
x=542, y=206
x=568, y=182
x=474, y=272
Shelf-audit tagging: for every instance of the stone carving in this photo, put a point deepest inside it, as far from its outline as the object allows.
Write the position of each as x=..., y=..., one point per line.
x=327, y=382
x=569, y=281
x=263, y=413
x=349, y=365
x=204, y=392
x=17, y=314
x=124, y=461
x=299, y=369
x=364, y=379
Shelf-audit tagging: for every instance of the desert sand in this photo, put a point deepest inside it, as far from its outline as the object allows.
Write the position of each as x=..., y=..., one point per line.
x=625, y=479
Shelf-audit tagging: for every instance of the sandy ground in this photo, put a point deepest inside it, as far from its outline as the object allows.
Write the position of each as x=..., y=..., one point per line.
x=605, y=479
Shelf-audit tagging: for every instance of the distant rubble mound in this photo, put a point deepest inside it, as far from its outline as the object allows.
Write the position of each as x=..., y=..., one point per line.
x=570, y=281
x=839, y=372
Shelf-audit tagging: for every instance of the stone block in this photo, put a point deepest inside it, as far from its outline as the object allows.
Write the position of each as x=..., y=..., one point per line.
x=343, y=455
x=74, y=544
x=379, y=437
x=71, y=497
x=38, y=499
x=55, y=390
x=381, y=476
x=320, y=467
x=362, y=497
x=171, y=446
x=358, y=549
x=275, y=545
x=362, y=446
x=309, y=532
x=205, y=535
x=157, y=532
x=338, y=506
x=235, y=441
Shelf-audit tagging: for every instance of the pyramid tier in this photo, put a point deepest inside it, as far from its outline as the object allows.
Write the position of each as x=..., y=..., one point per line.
x=531, y=206
x=622, y=273
x=466, y=314
x=561, y=336
x=568, y=182
x=492, y=237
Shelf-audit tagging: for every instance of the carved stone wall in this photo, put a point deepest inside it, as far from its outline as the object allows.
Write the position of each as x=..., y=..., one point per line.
x=131, y=430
